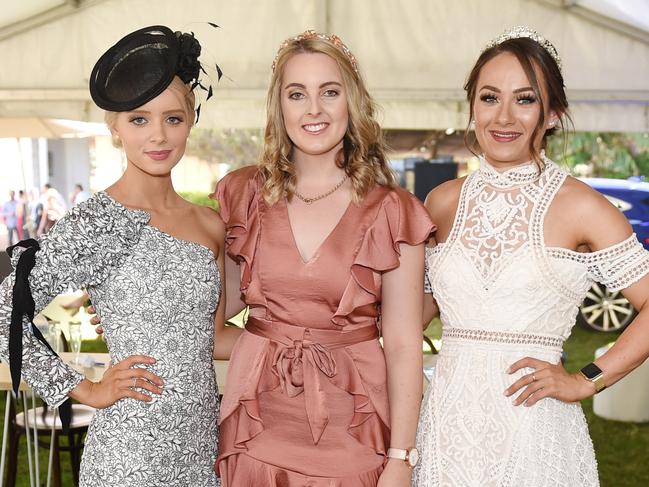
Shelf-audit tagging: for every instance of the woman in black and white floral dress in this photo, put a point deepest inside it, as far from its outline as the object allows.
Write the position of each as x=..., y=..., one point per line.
x=151, y=263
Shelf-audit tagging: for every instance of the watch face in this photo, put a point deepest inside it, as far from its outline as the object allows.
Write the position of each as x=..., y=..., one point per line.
x=413, y=457
x=591, y=371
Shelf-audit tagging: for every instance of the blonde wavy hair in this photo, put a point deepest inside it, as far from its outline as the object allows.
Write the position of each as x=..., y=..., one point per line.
x=363, y=156
x=186, y=97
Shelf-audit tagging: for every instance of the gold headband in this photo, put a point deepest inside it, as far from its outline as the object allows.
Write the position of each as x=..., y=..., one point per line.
x=311, y=34
x=523, y=31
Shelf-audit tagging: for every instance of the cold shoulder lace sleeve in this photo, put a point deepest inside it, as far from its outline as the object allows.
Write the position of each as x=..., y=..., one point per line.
x=79, y=251
x=618, y=266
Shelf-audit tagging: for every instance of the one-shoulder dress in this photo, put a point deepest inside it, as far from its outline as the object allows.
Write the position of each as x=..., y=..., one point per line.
x=307, y=401
x=157, y=296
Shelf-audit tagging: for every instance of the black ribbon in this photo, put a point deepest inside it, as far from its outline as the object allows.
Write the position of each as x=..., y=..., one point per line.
x=23, y=304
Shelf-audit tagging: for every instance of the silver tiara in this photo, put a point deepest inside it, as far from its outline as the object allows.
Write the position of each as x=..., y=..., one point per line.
x=523, y=31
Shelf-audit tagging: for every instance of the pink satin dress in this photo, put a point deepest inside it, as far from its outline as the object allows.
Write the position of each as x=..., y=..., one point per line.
x=306, y=402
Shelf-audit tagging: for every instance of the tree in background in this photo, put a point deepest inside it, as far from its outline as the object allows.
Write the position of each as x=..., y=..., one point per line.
x=598, y=154
x=606, y=155
x=234, y=147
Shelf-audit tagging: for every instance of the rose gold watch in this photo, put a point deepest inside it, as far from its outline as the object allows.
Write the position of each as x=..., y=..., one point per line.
x=410, y=456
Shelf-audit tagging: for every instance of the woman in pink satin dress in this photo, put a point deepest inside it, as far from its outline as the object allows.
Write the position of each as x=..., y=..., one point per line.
x=330, y=257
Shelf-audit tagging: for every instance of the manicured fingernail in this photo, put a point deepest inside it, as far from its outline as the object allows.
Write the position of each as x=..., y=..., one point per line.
x=509, y=370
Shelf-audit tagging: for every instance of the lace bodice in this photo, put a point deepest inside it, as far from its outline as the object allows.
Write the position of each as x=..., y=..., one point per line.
x=504, y=295
x=496, y=254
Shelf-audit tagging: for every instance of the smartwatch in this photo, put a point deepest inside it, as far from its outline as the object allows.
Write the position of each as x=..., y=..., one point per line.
x=594, y=374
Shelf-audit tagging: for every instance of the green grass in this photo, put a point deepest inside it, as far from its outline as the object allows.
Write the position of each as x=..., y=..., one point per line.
x=66, y=472
x=622, y=449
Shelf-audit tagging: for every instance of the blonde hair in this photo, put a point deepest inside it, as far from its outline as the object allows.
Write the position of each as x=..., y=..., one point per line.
x=363, y=154
x=187, y=100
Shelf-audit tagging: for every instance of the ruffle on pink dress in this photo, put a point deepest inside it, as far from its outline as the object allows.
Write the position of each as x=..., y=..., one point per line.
x=306, y=401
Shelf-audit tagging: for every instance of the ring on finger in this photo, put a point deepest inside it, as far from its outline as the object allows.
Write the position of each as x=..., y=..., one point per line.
x=134, y=381
x=533, y=378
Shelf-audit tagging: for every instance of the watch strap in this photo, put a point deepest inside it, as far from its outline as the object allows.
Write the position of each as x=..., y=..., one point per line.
x=397, y=453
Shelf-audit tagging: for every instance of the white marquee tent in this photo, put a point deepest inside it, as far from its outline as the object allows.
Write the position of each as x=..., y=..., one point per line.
x=415, y=54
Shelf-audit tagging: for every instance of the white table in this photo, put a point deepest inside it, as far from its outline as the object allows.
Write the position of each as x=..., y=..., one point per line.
x=628, y=399
x=23, y=396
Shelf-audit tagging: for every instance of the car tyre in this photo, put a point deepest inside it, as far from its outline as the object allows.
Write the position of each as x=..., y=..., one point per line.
x=605, y=310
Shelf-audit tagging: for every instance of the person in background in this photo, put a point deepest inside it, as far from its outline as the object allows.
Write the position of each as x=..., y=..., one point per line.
x=10, y=216
x=53, y=210
x=48, y=189
x=36, y=211
x=22, y=212
x=78, y=195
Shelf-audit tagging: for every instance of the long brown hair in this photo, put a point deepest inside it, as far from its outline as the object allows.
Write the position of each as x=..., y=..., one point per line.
x=532, y=57
x=363, y=154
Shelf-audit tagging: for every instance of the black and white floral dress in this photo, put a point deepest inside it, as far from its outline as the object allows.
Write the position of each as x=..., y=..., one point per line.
x=156, y=295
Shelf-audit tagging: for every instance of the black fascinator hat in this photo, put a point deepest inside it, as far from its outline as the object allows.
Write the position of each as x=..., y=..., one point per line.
x=142, y=65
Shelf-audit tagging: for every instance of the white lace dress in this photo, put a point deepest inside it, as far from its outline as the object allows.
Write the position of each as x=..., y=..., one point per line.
x=503, y=295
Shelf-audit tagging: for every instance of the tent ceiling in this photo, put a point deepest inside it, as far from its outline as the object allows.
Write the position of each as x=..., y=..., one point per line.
x=17, y=17
x=15, y=12
x=633, y=13
x=415, y=54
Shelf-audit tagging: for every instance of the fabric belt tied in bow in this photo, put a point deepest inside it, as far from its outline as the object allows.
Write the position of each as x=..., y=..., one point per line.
x=303, y=356
x=23, y=305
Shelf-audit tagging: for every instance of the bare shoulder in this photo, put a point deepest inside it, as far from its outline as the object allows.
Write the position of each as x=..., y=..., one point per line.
x=210, y=219
x=578, y=198
x=601, y=224
x=443, y=200
x=206, y=225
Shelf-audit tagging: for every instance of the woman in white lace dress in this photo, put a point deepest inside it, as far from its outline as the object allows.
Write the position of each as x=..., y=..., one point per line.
x=151, y=263
x=518, y=245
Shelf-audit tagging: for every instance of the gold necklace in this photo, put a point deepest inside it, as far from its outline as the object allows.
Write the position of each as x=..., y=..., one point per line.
x=308, y=201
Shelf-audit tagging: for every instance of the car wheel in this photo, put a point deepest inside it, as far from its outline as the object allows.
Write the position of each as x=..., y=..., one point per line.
x=604, y=310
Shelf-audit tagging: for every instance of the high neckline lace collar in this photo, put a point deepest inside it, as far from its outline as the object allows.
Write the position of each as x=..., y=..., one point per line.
x=518, y=175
